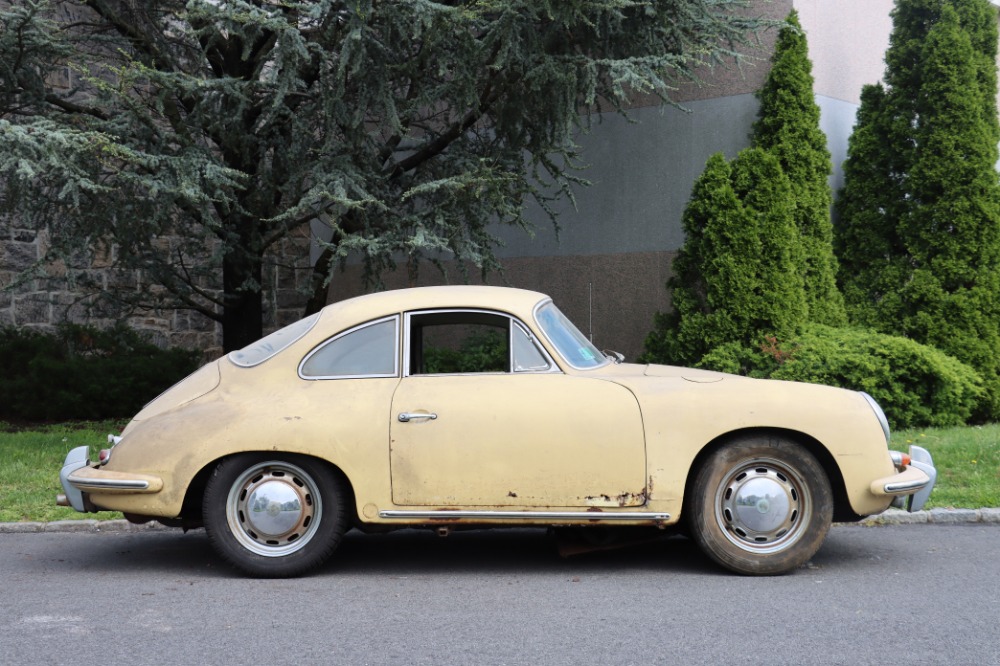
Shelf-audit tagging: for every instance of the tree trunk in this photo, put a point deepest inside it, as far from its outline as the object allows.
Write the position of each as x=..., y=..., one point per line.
x=242, y=315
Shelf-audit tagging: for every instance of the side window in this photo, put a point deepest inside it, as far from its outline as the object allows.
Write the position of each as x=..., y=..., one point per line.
x=453, y=342
x=527, y=356
x=366, y=351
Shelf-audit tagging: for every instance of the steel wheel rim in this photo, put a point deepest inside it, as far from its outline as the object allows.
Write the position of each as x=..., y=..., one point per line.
x=763, y=506
x=274, y=509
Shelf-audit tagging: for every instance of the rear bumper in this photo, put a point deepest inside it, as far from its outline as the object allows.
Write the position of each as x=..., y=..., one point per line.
x=912, y=484
x=78, y=479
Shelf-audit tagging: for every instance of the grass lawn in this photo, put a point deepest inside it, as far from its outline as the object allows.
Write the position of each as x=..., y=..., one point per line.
x=30, y=461
x=967, y=459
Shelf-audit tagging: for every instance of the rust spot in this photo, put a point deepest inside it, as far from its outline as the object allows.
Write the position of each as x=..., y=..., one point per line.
x=595, y=509
x=627, y=498
x=511, y=493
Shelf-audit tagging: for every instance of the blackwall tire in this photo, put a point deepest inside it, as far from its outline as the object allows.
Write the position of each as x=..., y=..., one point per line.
x=274, y=515
x=761, y=506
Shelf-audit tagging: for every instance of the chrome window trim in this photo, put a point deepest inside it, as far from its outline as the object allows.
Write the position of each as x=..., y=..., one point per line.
x=532, y=337
x=329, y=341
x=553, y=367
x=534, y=314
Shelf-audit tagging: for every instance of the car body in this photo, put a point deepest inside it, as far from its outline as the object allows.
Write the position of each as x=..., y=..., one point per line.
x=466, y=406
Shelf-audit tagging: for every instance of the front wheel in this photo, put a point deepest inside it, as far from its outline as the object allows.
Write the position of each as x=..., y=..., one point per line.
x=274, y=516
x=761, y=506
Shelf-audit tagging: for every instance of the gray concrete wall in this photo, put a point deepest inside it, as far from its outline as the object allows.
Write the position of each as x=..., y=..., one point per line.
x=642, y=173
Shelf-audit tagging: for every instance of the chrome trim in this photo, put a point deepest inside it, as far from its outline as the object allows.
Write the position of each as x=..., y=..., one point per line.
x=534, y=313
x=109, y=484
x=75, y=459
x=879, y=414
x=528, y=515
x=406, y=417
x=921, y=459
x=553, y=367
x=896, y=488
x=328, y=341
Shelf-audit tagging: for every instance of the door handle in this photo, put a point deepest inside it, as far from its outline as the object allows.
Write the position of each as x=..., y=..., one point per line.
x=406, y=417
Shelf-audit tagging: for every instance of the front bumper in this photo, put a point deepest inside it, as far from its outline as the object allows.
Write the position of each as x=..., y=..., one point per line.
x=912, y=484
x=78, y=479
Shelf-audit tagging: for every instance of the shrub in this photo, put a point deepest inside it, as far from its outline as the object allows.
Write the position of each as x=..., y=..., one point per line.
x=84, y=373
x=915, y=384
x=736, y=274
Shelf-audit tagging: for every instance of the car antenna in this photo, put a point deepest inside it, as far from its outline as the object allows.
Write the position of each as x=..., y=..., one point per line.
x=590, y=315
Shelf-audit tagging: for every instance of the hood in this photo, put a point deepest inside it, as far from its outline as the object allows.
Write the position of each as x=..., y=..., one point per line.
x=690, y=374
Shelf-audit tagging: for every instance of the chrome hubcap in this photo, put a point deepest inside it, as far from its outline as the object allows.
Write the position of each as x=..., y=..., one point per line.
x=763, y=506
x=273, y=509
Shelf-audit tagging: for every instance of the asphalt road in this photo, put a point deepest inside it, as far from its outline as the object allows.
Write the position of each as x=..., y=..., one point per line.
x=911, y=594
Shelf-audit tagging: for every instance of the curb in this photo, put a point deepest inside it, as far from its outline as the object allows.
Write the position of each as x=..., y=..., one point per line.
x=933, y=516
x=889, y=517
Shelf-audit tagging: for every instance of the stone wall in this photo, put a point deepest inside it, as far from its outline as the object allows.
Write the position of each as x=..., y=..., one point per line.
x=56, y=295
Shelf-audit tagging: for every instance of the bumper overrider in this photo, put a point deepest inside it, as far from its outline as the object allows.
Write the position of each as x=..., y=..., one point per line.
x=913, y=482
x=79, y=479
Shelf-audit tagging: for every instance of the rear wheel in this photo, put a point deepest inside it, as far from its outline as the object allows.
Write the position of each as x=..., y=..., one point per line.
x=761, y=506
x=274, y=516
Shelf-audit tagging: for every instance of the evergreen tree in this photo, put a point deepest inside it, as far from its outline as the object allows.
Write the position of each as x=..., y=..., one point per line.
x=195, y=135
x=922, y=254
x=788, y=127
x=952, y=234
x=736, y=279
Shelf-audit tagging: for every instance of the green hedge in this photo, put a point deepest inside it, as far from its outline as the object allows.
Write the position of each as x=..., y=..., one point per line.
x=82, y=373
x=915, y=384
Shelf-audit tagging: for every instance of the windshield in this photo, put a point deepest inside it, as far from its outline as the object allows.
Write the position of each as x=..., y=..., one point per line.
x=571, y=344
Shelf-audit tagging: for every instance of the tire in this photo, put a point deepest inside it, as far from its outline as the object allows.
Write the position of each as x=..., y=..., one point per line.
x=300, y=516
x=761, y=506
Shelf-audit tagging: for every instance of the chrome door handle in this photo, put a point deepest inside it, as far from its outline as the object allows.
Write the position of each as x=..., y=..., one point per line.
x=405, y=417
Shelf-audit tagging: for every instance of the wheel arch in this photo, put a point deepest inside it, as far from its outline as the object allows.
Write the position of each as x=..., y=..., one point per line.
x=193, y=497
x=842, y=510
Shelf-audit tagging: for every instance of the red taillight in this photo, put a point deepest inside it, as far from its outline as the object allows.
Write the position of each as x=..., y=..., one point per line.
x=906, y=460
x=104, y=456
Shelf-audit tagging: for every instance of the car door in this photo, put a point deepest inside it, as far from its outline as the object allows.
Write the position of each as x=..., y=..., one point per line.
x=502, y=426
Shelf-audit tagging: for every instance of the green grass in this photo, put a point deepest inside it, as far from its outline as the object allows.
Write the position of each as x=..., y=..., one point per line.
x=967, y=459
x=30, y=461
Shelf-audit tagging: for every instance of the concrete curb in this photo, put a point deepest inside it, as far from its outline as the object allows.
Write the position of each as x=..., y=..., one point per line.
x=890, y=517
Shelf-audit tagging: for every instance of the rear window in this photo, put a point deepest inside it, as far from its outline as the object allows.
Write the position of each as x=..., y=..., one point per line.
x=258, y=352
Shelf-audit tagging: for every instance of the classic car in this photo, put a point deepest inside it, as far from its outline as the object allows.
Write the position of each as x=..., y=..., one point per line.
x=465, y=406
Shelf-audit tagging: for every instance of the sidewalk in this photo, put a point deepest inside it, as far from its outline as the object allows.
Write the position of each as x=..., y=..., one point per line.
x=890, y=517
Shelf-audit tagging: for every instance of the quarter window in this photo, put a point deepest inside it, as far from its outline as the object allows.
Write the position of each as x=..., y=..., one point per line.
x=366, y=351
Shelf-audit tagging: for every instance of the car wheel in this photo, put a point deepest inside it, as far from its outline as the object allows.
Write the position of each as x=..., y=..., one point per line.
x=274, y=516
x=761, y=506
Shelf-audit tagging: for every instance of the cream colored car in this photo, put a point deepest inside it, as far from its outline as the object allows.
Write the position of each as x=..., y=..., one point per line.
x=454, y=407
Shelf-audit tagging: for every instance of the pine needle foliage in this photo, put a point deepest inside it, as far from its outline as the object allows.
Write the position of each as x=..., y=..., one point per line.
x=788, y=126
x=195, y=135
x=920, y=214
x=736, y=280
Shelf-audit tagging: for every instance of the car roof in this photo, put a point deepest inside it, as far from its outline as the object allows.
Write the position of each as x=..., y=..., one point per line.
x=520, y=302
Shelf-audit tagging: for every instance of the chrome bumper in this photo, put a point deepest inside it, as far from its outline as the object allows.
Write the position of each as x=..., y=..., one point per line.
x=912, y=484
x=78, y=479
x=75, y=459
